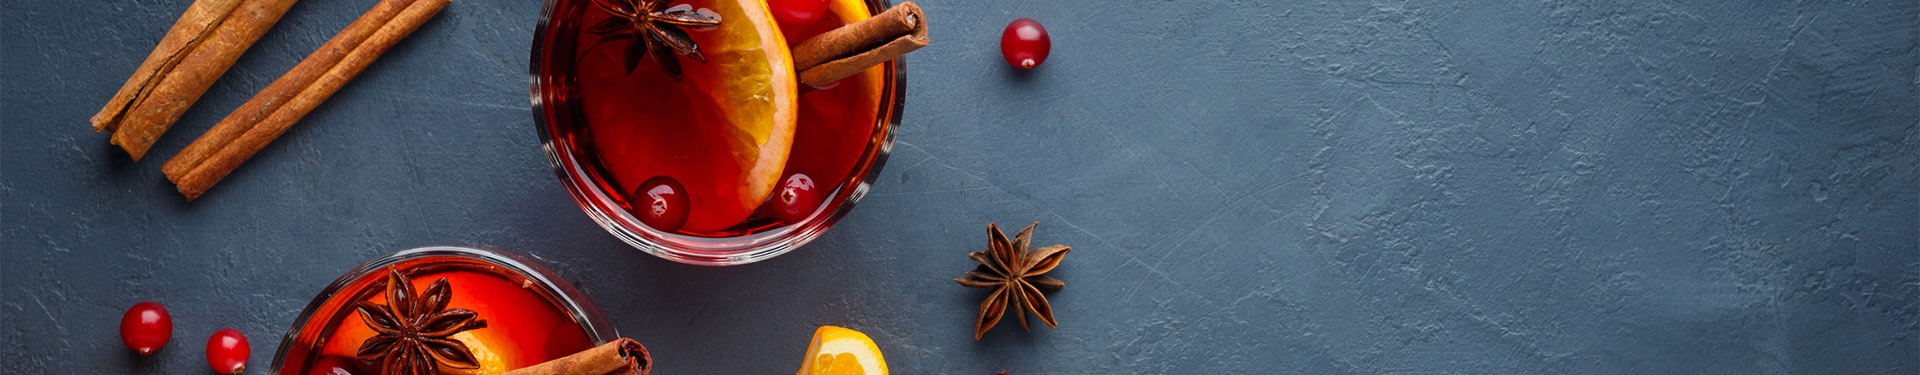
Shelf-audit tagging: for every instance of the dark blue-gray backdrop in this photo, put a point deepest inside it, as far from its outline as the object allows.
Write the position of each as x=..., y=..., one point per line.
x=1249, y=186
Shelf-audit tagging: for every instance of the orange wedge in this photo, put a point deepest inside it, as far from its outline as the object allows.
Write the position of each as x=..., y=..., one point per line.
x=841, y=351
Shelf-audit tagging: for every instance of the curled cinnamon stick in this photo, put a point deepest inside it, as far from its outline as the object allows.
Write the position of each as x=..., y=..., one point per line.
x=276, y=108
x=853, y=48
x=207, y=39
x=623, y=356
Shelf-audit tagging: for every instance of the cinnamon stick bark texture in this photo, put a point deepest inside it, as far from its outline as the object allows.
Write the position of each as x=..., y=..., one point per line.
x=193, y=26
x=276, y=108
x=277, y=93
x=853, y=48
x=207, y=39
x=623, y=356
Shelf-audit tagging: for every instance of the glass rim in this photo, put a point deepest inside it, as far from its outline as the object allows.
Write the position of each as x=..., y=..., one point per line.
x=707, y=251
x=575, y=303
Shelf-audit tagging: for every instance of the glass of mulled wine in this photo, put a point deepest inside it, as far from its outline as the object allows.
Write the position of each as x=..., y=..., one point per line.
x=717, y=157
x=527, y=314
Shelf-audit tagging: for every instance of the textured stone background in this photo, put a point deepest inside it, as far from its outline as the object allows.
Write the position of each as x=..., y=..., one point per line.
x=1250, y=186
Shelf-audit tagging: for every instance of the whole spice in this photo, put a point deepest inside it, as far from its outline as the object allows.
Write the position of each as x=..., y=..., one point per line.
x=413, y=329
x=818, y=61
x=202, y=44
x=654, y=30
x=853, y=48
x=622, y=356
x=275, y=109
x=1015, y=275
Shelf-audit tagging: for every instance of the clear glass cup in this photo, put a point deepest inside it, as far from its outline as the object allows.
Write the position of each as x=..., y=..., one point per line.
x=557, y=113
x=318, y=321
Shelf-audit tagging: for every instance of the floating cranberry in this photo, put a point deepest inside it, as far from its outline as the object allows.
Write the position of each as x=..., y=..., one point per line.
x=227, y=351
x=794, y=13
x=796, y=198
x=1025, y=44
x=146, y=327
x=661, y=203
x=332, y=365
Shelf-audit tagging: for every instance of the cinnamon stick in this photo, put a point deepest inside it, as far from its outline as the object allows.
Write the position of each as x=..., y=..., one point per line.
x=853, y=48
x=200, y=46
x=623, y=356
x=276, y=108
x=277, y=93
x=186, y=33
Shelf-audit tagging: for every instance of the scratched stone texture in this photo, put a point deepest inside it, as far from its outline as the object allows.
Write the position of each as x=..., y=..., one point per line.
x=1249, y=186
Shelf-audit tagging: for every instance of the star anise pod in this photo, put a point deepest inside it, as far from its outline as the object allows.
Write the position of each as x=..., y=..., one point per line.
x=652, y=31
x=413, y=330
x=1015, y=275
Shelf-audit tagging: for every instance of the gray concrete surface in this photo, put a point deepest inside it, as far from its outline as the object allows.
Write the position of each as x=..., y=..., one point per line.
x=1250, y=186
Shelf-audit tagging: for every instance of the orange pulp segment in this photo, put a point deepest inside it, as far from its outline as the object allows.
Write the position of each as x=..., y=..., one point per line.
x=841, y=351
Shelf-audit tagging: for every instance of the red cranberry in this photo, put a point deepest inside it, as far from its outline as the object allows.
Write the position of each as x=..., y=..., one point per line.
x=331, y=365
x=661, y=203
x=796, y=198
x=793, y=13
x=1025, y=44
x=227, y=351
x=146, y=327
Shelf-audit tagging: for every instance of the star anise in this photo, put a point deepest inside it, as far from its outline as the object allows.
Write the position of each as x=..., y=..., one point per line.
x=1015, y=275
x=653, y=31
x=413, y=330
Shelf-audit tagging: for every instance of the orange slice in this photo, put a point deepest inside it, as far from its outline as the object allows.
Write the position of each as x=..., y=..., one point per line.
x=749, y=92
x=841, y=351
x=723, y=130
